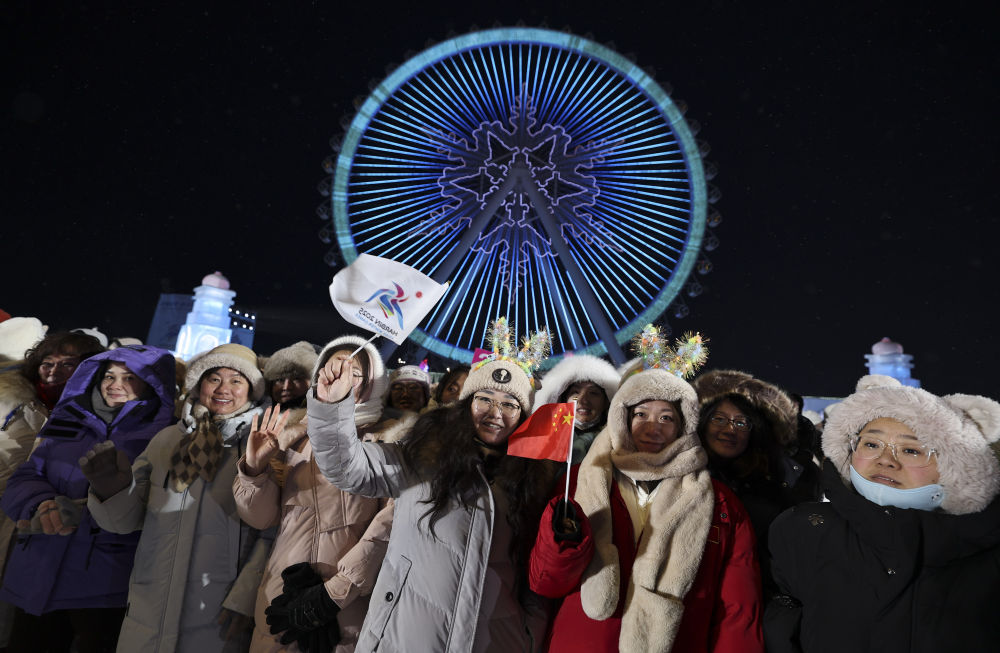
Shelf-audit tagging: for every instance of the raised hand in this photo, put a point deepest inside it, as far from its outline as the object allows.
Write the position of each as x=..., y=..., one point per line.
x=107, y=468
x=263, y=441
x=337, y=379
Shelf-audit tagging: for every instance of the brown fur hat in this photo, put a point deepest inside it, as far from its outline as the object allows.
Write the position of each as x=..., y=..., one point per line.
x=769, y=400
x=231, y=355
x=295, y=360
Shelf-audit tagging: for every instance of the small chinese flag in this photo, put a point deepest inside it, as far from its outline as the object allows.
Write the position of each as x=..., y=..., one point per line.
x=546, y=434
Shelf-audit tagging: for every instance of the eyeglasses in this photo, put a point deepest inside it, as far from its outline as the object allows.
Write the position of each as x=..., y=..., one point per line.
x=506, y=408
x=867, y=447
x=294, y=379
x=406, y=388
x=739, y=423
x=65, y=366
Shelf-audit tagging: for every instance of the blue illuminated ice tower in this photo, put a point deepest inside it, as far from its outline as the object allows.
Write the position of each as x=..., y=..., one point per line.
x=208, y=323
x=887, y=358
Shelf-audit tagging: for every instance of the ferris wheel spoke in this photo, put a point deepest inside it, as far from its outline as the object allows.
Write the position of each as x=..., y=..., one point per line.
x=549, y=179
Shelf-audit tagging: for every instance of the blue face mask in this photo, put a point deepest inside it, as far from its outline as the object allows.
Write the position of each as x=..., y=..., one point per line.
x=927, y=497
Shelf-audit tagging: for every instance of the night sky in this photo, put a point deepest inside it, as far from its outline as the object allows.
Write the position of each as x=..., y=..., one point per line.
x=856, y=147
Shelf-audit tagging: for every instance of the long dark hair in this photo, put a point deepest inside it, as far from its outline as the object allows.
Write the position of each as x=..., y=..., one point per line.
x=442, y=448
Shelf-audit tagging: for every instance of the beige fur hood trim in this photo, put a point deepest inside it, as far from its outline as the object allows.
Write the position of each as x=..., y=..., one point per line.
x=960, y=427
x=671, y=548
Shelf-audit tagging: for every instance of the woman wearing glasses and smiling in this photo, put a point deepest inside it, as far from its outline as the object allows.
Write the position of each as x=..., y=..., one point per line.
x=905, y=556
x=749, y=429
x=454, y=576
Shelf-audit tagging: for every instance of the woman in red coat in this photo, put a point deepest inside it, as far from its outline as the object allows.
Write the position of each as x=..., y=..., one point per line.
x=662, y=557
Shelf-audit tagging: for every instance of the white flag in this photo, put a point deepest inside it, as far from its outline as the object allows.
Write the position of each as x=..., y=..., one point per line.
x=384, y=296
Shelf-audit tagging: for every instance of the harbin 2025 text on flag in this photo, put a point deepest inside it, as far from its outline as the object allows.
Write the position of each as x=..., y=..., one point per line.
x=384, y=296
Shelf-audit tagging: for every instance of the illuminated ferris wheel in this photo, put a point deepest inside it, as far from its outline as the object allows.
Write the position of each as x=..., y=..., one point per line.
x=546, y=176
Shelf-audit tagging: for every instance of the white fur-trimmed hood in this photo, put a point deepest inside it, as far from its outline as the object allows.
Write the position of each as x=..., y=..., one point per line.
x=380, y=383
x=574, y=369
x=960, y=427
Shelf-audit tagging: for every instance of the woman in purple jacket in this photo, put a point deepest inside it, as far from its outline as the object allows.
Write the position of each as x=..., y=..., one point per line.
x=67, y=576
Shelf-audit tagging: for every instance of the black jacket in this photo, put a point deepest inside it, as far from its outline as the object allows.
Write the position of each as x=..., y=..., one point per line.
x=861, y=577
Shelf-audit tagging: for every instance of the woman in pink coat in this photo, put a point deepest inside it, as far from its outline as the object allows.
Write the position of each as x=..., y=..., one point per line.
x=340, y=537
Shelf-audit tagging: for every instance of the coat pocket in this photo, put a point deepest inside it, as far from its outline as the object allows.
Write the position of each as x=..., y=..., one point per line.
x=386, y=595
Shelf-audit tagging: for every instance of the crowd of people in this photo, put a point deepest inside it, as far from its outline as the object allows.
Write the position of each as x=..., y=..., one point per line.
x=314, y=500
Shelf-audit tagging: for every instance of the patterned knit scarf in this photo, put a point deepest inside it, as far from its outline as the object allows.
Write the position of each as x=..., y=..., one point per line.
x=199, y=451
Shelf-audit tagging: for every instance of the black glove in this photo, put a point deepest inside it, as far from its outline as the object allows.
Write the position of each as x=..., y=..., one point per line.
x=312, y=609
x=295, y=579
x=325, y=639
x=298, y=577
x=304, y=613
x=565, y=524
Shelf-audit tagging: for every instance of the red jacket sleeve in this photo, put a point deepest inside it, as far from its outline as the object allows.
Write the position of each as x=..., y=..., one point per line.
x=555, y=568
x=736, y=623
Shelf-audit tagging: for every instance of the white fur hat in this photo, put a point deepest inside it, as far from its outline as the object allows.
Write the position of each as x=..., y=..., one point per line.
x=410, y=373
x=297, y=359
x=959, y=427
x=231, y=355
x=376, y=371
x=18, y=335
x=93, y=332
x=575, y=369
x=653, y=384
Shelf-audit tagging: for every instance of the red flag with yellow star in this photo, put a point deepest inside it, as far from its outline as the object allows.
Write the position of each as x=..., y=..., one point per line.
x=547, y=434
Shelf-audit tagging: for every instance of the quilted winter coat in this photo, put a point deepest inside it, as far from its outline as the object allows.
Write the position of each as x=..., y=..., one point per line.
x=90, y=567
x=319, y=524
x=418, y=604
x=195, y=555
x=857, y=576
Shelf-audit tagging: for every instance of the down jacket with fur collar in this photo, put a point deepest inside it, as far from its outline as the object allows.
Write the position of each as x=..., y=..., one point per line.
x=857, y=576
x=721, y=610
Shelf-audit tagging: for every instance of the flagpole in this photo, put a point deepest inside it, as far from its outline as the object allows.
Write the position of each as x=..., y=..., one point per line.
x=569, y=454
x=363, y=346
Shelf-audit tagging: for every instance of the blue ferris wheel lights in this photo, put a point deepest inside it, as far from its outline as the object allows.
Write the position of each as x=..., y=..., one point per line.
x=617, y=169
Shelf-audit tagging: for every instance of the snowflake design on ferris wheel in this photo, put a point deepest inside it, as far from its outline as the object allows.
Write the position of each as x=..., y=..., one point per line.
x=554, y=167
x=546, y=176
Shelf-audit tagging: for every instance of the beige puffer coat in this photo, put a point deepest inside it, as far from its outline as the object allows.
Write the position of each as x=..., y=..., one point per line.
x=343, y=535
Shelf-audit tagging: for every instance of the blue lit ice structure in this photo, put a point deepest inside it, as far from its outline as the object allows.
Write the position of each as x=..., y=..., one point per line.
x=208, y=323
x=887, y=358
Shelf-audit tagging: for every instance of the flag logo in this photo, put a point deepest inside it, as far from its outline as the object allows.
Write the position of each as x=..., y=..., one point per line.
x=372, y=285
x=389, y=302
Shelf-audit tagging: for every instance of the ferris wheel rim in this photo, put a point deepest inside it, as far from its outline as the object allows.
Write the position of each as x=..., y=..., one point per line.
x=640, y=81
